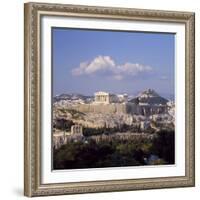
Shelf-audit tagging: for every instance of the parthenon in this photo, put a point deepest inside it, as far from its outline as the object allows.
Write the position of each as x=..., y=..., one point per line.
x=104, y=97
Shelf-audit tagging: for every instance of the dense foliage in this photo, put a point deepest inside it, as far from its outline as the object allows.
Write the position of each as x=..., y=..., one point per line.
x=115, y=153
x=108, y=131
x=63, y=124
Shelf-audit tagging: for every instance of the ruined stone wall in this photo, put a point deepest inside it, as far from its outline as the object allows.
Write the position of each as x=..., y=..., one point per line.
x=107, y=108
x=128, y=108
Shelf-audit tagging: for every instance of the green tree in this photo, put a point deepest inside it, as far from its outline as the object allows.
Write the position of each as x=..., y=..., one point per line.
x=164, y=146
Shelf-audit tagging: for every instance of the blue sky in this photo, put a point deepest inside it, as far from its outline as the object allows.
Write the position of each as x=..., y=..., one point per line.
x=86, y=61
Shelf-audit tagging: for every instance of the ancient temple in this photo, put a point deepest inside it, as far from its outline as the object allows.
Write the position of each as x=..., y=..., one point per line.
x=77, y=130
x=104, y=98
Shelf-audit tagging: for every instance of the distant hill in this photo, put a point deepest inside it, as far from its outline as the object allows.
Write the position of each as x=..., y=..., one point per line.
x=72, y=96
x=149, y=96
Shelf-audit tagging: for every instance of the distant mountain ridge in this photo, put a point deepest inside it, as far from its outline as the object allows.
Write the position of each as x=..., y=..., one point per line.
x=72, y=96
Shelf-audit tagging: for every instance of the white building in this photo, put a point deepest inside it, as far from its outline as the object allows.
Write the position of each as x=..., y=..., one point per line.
x=104, y=98
x=122, y=98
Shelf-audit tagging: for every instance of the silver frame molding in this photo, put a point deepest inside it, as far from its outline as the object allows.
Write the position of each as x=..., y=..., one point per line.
x=32, y=94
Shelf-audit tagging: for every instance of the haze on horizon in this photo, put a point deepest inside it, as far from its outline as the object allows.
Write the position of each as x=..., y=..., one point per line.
x=86, y=61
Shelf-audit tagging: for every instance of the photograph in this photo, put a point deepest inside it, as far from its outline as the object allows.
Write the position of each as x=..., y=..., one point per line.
x=109, y=99
x=113, y=98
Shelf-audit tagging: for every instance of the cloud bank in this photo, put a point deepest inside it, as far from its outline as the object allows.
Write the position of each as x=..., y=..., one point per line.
x=105, y=65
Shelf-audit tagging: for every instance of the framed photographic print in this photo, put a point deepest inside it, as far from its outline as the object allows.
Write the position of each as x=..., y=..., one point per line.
x=109, y=99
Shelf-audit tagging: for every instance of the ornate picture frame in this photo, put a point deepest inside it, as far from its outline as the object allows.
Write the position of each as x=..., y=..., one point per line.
x=34, y=12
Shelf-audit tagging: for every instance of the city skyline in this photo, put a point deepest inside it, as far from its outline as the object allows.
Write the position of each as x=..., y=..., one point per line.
x=86, y=61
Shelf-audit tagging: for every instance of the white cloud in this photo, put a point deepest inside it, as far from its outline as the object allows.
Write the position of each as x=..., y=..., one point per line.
x=106, y=65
